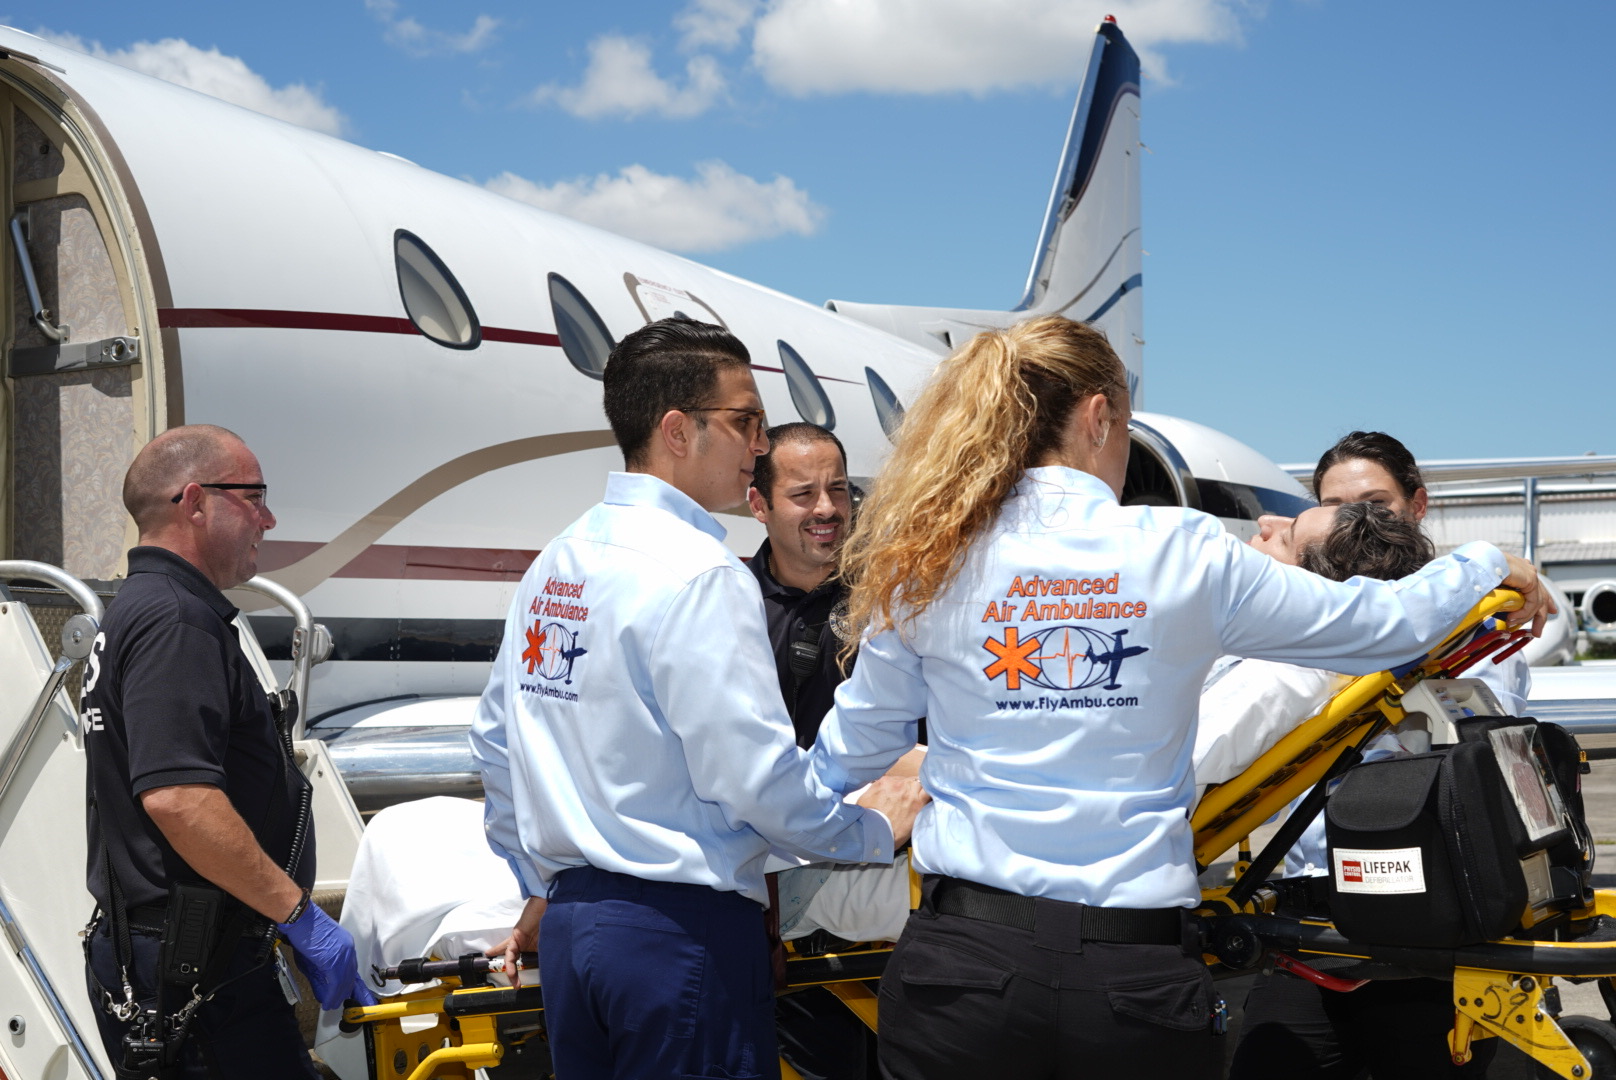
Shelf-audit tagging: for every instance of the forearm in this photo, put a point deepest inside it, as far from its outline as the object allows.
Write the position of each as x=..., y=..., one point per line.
x=203, y=827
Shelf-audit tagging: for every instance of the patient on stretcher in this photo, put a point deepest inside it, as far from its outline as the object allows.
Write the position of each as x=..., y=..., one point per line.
x=1249, y=705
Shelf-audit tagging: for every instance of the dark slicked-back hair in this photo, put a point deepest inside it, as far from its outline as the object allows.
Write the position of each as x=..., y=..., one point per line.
x=179, y=456
x=666, y=365
x=1376, y=446
x=1368, y=540
x=781, y=435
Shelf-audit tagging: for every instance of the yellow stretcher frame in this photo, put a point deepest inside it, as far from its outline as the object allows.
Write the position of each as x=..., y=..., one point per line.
x=1501, y=988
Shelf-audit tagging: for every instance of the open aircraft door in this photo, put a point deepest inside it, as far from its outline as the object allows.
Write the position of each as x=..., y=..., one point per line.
x=83, y=388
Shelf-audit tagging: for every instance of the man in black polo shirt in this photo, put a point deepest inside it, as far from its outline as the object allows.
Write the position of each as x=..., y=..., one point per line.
x=801, y=494
x=193, y=785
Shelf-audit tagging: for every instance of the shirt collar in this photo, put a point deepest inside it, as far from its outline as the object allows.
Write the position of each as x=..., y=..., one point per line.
x=643, y=489
x=156, y=560
x=1058, y=479
x=766, y=581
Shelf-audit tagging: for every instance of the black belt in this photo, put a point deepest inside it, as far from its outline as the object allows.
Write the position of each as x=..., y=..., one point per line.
x=150, y=917
x=1123, y=926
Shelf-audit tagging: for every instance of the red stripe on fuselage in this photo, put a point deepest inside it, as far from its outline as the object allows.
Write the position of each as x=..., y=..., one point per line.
x=264, y=318
x=407, y=561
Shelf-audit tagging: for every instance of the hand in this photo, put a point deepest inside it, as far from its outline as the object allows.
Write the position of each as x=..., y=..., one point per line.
x=1539, y=602
x=899, y=798
x=524, y=938
x=324, y=952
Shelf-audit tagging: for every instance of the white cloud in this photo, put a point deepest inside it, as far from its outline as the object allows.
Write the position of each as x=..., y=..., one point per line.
x=714, y=23
x=408, y=34
x=621, y=82
x=718, y=209
x=805, y=47
x=211, y=72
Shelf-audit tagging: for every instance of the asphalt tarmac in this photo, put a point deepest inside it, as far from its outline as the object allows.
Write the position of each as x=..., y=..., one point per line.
x=1599, y=797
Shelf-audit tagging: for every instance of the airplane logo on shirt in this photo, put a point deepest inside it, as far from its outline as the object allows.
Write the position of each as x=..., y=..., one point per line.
x=551, y=650
x=1060, y=658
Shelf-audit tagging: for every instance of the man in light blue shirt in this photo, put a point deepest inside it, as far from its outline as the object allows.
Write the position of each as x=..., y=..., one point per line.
x=637, y=757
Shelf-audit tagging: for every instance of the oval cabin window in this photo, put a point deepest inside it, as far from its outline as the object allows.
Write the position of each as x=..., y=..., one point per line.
x=584, y=337
x=813, y=405
x=433, y=299
x=888, y=409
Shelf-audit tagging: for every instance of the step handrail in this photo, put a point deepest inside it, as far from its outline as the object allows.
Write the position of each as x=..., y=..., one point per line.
x=78, y=639
x=305, y=643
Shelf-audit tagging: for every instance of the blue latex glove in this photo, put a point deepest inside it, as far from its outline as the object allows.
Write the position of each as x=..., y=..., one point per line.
x=324, y=952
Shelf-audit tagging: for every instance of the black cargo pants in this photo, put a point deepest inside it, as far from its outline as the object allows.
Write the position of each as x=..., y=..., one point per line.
x=968, y=998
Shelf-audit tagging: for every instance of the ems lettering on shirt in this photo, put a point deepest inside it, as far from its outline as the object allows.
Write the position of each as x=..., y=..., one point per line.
x=1041, y=599
x=1066, y=652
x=554, y=601
x=551, y=650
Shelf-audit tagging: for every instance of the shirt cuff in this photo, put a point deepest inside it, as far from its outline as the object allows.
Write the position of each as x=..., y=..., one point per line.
x=1479, y=551
x=878, y=841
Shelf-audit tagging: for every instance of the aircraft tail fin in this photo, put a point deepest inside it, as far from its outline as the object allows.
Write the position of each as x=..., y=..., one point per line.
x=1086, y=265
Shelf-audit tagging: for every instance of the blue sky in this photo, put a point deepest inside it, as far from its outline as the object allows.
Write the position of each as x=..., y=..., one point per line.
x=1357, y=214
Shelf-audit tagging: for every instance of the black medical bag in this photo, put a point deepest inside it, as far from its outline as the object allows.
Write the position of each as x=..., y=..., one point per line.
x=1464, y=844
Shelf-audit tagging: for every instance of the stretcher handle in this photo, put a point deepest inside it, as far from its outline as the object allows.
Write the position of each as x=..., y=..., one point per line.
x=424, y=969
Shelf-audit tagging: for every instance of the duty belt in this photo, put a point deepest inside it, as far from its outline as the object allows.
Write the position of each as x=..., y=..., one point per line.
x=1125, y=926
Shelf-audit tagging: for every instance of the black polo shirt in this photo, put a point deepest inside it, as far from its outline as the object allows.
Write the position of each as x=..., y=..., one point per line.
x=169, y=698
x=794, y=614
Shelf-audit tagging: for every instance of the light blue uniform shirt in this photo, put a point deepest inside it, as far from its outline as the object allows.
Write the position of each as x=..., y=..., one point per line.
x=1060, y=675
x=633, y=720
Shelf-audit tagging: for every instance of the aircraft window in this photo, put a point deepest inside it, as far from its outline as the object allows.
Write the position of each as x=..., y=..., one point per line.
x=888, y=409
x=432, y=297
x=584, y=337
x=806, y=394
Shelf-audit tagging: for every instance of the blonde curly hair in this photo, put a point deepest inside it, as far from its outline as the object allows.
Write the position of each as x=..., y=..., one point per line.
x=990, y=412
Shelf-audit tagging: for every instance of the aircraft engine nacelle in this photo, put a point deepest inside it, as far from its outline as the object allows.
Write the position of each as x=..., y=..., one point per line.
x=1598, y=611
x=1177, y=462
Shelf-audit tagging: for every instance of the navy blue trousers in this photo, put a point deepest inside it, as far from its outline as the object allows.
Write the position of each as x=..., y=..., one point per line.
x=649, y=979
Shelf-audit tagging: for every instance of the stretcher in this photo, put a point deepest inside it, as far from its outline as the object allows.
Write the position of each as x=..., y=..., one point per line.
x=1502, y=989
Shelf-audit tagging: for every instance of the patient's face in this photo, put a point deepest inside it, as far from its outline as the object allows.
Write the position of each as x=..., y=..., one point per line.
x=1283, y=538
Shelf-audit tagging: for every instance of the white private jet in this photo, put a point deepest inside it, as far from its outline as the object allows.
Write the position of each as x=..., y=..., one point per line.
x=417, y=360
x=417, y=363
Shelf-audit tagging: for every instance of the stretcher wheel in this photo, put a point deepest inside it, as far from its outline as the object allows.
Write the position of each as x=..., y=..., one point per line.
x=1597, y=1041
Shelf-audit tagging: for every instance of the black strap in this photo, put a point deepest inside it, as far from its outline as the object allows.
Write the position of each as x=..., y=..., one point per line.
x=1126, y=926
x=802, y=657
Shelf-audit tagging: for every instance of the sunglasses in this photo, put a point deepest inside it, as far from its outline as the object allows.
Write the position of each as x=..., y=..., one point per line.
x=227, y=487
x=752, y=420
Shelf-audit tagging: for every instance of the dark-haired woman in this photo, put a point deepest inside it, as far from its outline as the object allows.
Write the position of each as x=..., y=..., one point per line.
x=1056, y=641
x=1389, y=1030
x=1371, y=467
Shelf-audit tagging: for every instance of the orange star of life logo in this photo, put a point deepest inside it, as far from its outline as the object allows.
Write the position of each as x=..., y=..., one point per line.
x=1012, y=660
x=533, y=655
